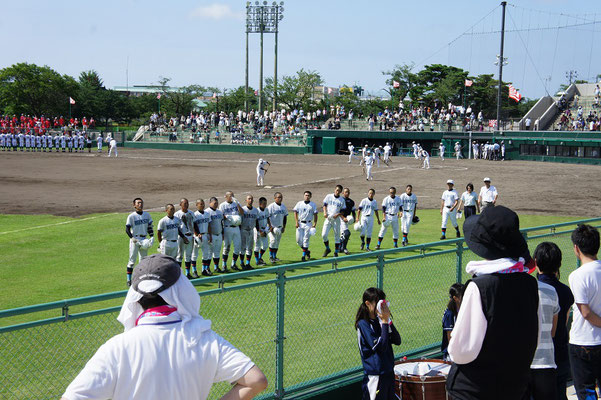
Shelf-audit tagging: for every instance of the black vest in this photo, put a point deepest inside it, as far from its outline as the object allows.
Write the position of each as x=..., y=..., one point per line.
x=502, y=369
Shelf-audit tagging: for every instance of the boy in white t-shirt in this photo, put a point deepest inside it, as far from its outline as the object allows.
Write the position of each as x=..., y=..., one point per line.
x=585, y=334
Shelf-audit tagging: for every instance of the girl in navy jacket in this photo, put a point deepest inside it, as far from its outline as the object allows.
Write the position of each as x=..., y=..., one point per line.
x=376, y=335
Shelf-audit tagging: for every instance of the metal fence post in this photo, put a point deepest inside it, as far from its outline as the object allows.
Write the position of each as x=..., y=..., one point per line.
x=459, y=263
x=279, y=339
x=380, y=276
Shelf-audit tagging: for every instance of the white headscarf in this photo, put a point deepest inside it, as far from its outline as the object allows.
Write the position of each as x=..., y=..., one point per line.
x=181, y=295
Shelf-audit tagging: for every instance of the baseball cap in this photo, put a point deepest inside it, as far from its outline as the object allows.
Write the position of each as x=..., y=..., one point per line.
x=487, y=179
x=349, y=142
x=452, y=182
x=154, y=274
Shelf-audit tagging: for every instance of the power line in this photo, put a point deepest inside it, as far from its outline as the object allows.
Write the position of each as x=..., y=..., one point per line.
x=528, y=54
x=575, y=16
x=548, y=28
x=458, y=37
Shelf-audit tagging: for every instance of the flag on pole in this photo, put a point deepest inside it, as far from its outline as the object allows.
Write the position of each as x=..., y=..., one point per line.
x=330, y=90
x=256, y=92
x=468, y=83
x=159, y=96
x=71, y=101
x=215, y=94
x=396, y=84
x=514, y=94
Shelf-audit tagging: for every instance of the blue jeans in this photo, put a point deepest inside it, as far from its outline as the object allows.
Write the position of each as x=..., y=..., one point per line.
x=586, y=370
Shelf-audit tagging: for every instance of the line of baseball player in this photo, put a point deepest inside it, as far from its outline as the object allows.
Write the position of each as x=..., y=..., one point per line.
x=71, y=142
x=252, y=231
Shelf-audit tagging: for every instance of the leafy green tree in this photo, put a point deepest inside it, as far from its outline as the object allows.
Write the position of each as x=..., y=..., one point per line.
x=31, y=89
x=294, y=91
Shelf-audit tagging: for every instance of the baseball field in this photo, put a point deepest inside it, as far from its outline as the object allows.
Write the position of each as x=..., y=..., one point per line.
x=62, y=235
x=62, y=216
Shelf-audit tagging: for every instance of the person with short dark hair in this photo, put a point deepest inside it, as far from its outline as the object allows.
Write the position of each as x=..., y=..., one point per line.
x=547, y=257
x=585, y=334
x=543, y=370
x=469, y=201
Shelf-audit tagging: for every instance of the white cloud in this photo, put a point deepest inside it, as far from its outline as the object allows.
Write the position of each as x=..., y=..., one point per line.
x=217, y=12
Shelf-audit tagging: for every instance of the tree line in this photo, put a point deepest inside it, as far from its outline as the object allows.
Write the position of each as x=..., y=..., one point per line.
x=39, y=90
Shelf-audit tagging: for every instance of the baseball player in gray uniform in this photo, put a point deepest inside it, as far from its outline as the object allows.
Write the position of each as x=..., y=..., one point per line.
x=232, y=213
x=391, y=205
x=409, y=209
x=305, y=217
x=261, y=231
x=367, y=209
x=247, y=231
x=448, y=209
x=333, y=203
x=137, y=226
x=278, y=217
x=346, y=214
x=216, y=229
x=202, y=238
x=168, y=230
x=184, y=250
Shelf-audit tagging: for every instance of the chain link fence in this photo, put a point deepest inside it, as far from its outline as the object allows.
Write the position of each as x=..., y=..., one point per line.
x=296, y=323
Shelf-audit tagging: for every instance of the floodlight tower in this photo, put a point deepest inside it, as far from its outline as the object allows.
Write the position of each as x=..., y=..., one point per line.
x=263, y=18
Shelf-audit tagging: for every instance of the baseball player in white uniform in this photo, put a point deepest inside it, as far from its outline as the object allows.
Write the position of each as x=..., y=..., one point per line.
x=458, y=150
x=261, y=230
x=27, y=141
x=332, y=205
x=185, y=247
x=391, y=206
x=441, y=149
x=387, y=153
x=3, y=141
x=247, y=231
x=409, y=209
x=368, y=162
x=488, y=195
x=202, y=238
x=261, y=171
x=426, y=159
x=364, y=152
x=448, y=209
x=415, y=148
x=378, y=155
x=232, y=213
x=365, y=216
x=137, y=226
x=113, y=147
x=278, y=217
x=216, y=229
x=305, y=218
x=351, y=152
x=168, y=230
x=99, y=142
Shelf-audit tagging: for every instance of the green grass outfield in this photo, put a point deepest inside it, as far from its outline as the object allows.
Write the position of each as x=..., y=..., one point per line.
x=58, y=258
x=46, y=258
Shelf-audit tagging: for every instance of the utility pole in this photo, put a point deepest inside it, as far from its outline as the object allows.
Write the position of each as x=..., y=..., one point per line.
x=501, y=61
x=275, y=68
x=246, y=80
x=262, y=29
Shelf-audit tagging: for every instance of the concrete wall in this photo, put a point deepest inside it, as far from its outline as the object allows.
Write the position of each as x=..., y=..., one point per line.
x=537, y=111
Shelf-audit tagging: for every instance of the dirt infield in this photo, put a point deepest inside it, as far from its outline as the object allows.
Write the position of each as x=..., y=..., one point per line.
x=81, y=183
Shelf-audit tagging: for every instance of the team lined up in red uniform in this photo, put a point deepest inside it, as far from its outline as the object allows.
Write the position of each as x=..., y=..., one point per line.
x=40, y=125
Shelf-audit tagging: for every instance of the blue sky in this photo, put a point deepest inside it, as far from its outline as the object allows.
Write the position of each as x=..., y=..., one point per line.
x=202, y=42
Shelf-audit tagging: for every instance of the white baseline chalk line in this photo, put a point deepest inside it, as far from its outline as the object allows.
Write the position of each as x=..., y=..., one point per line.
x=57, y=223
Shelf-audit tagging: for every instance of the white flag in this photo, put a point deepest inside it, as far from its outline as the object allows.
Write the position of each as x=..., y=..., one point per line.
x=71, y=101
